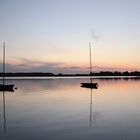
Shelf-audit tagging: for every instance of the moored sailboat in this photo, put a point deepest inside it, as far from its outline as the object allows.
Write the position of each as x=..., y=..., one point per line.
x=90, y=84
x=3, y=86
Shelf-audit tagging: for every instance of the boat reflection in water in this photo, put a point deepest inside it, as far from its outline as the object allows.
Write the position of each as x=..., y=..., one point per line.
x=4, y=109
x=4, y=113
x=90, y=86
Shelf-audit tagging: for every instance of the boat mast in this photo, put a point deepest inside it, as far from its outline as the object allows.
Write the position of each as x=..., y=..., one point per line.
x=90, y=62
x=3, y=63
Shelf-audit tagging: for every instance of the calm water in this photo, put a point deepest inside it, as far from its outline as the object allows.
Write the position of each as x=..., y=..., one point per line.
x=59, y=109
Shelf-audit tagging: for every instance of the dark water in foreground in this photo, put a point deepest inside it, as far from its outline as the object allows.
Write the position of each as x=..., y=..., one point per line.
x=59, y=109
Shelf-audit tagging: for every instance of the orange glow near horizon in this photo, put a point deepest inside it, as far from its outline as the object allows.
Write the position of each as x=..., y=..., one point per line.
x=114, y=59
x=74, y=62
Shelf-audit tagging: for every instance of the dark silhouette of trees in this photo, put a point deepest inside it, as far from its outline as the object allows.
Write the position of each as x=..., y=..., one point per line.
x=101, y=73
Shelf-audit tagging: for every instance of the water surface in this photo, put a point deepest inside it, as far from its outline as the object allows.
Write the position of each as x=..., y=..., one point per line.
x=59, y=109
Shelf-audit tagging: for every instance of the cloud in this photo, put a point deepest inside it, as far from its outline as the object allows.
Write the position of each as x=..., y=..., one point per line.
x=27, y=65
x=94, y=36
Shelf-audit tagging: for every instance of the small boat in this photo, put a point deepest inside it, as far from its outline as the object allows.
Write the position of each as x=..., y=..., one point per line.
x=5, y=87
x=91, y=84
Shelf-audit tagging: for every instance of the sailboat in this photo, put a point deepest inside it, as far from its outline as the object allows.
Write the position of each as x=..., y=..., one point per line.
x=3, y=86
x=90, y=84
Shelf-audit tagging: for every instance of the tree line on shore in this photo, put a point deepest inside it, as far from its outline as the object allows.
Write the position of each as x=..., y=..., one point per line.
x=41, y=74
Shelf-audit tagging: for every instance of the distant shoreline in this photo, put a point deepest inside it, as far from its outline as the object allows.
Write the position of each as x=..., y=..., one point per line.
x=116, y=78
x=98, y=74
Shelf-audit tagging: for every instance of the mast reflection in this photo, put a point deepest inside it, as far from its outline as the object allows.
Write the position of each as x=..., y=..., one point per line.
x=91, y=115
x=4, y=113
x=4, y=109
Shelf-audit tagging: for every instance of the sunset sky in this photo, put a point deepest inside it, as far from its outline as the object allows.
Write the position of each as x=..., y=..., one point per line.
x=53, y=35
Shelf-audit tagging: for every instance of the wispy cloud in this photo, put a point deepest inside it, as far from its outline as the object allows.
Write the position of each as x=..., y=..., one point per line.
x=94, y=36
x=27, y=65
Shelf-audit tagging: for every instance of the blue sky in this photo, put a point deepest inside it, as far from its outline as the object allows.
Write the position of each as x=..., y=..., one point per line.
x=53, y=35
